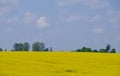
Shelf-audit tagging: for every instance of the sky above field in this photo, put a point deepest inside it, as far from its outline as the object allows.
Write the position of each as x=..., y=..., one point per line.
x=61, y=24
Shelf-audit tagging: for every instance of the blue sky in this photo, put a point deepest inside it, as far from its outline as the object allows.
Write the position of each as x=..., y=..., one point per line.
x=61, y=24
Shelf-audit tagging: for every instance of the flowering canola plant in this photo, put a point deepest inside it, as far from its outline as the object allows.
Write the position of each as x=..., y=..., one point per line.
x=59, y=64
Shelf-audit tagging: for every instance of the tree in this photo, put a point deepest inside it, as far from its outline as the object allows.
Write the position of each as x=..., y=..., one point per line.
x=83, y=49
x=5, y=50
x=16, y=47
x=1, y=49
x=102, y=50
x=12, y=50
x=51, y=49
x=25, y=46
x=46, y=49
x=20, y=46
x=78, y=50
x=38, y=46
x=107, y=48
x=113, y=51
x=88, y=49
x=95, y=50
x=42, y=46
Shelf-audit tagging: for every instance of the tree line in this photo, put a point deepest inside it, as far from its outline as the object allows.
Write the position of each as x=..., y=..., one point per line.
x=107, y=49
x=40, y=46
x=36, y=46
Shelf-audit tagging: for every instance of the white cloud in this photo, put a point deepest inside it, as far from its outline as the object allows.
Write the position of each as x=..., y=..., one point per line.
x=72, y=18
x=42, y=22
x=64, y=3
x=12, y=20
x=3, y=10
x=96, y=4
x=5, y=2
x=68, y=15
x=86, y=18
x=114, y=16
x=29, y=18
x=7, y=6
x=98, y=30
x=9, y=29
x=93, y=4
x=96, y=18
x=75, y=18
x=9, y=20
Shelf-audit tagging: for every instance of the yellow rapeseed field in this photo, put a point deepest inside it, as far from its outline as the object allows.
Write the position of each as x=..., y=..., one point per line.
x=59, y=64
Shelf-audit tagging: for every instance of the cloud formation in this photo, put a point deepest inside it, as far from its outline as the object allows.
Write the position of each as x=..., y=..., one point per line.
x=7, y=5
x=42, y=22
x=93, y=4
x=114, y=16
x=95, y=18
x=11, y=20
x=73, y=18
x=98, y=30
x=29, y=18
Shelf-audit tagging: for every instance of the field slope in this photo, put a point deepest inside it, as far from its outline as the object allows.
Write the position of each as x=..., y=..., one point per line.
x=59, y=64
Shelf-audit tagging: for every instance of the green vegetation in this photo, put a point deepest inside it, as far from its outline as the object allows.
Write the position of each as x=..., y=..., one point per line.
x=40, y=46
x=106, y=50
x=21, y=46
x=1, y=49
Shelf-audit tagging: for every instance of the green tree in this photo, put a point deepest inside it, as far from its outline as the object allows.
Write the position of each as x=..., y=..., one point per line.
x=46, y=49
x=89, y=49
x=107, y=48
x=20, y=46
x=12, y=50
x=38, y=46
x=25, y=46
x=78, y=50
x=102, y=50
x=16, y=47
x=95, y=50
x=113, y=51
x=1, y=49
x=84, y=49
x=42, y=46
x=5, y=50
x=51, y=49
